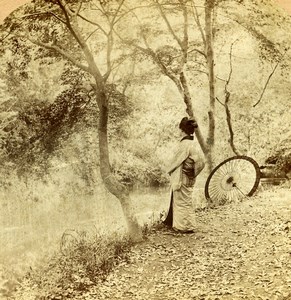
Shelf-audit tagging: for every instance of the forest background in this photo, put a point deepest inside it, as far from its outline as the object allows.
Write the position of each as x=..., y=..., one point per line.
x=50, y=163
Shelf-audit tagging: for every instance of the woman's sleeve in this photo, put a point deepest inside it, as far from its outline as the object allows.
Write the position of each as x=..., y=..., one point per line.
x=180, y=155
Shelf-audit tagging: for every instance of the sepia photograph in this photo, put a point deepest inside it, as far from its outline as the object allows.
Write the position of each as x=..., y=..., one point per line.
x=145, y=149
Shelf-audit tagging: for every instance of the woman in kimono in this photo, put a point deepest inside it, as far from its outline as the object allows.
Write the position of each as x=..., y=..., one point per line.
x=186, y=164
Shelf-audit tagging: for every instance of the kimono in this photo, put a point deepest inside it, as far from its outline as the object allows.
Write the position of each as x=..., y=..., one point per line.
x=186, y=164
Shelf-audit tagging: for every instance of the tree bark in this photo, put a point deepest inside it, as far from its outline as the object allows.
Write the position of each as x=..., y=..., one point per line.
x=189, y=109
x=229, y=124
x=209, y=5
x=110, y=182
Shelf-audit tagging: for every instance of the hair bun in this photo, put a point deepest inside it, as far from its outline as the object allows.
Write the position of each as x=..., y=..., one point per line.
x=193, y=123
x=188, y=125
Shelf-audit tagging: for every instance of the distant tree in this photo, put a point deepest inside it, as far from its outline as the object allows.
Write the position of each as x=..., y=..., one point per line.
x=172, y=56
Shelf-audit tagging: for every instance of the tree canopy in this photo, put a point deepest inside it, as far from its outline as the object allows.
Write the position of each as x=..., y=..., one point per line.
x=48, y=89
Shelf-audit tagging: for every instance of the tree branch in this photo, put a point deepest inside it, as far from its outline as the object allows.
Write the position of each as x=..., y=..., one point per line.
x=227, y=98
x=67, y=12
x=78, y=8
x=88, y=37
x=58, y=50
x=116, y=13
x=44, y=13
x=10, y=32
x=229, y=124
x=266, y=84
x=198, y=51
x=230, y=64
x=219, y=101
x=184, y=43
x=93, y=23
x=148, y=51
x=169, y=25
x=197, y=20
x=110, y=41
x=6, y=36
x=92, y=67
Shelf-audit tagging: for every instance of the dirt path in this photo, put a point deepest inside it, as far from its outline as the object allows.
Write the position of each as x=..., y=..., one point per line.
x=241, y=251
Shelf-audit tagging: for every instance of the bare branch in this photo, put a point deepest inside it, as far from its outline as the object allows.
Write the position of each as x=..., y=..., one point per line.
x=148, y=51
x=169, y=25
x=110, y=41
x=267, y=82
x=227, y=98
x=142, y=33
x=66, y=7
x=198, y=51
x=10, y=32
x=197, y=20
x=93, y=23
x=229, y=124
x=78, y=8
x=117, y=11
x=88, y=37
x=62, y=5
x=92, y=67
x=6, y=36
x=221, y=79
x=219, y=101
x=66, y=12
x=230, y=64
x=44, y=13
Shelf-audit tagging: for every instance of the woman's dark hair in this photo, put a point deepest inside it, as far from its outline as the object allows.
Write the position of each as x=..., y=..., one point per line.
x=188, y=125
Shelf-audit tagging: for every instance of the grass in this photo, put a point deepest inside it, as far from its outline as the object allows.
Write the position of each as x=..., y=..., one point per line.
x=82, y=261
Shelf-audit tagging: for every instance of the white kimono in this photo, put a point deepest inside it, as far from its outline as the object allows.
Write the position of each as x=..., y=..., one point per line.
x=181, y=188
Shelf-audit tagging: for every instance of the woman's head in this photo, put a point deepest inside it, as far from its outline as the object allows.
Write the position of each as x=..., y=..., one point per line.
x=188, y=125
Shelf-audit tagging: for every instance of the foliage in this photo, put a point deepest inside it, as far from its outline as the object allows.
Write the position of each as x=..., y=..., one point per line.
x=76, y=85
x=83, y=261
x=133, y=170
x=37, y=131
x=41, y=126
x=281, y=158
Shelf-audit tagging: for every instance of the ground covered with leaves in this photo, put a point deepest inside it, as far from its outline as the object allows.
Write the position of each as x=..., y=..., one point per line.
x=239, y=251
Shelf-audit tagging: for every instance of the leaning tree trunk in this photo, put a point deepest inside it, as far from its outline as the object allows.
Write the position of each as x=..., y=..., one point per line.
x=111, y=183
x=189, y=109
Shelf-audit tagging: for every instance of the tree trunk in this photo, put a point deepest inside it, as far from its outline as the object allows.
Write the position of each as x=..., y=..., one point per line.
x=209, y=4
x=229, y=124
x=189, y=109
x=110, y=182
x=113, y=186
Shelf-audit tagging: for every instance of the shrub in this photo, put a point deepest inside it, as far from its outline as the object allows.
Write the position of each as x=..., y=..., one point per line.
x=134, y=171
x=82, y=261
x=281, y=158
